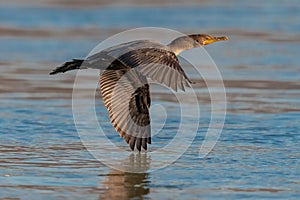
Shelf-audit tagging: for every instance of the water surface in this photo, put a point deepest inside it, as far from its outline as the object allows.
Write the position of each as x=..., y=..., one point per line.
x=257, y=155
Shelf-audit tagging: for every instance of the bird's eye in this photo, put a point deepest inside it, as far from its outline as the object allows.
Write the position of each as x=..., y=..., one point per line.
x=197, y=41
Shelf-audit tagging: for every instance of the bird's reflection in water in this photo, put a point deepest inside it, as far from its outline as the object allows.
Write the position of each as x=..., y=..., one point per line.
x=128, y=185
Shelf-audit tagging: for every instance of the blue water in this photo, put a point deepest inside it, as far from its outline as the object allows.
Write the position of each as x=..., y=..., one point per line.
x=257, y=155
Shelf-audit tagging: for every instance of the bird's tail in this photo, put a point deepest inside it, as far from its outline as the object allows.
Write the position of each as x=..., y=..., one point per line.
x=67, y=66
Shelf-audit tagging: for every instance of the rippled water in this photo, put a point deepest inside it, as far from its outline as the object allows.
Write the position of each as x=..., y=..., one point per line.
x=257, y=155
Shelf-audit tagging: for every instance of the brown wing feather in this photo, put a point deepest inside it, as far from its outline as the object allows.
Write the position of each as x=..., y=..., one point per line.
x=125, y=89
x=126, y=96
x=158, y=64
x=152, y=59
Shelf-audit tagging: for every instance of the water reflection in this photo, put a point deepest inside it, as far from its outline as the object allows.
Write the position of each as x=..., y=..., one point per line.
x=124, y=185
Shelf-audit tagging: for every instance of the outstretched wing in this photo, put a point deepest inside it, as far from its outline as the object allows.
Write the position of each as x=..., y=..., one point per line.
x=152, y=59
x=124, y=85
x=127, y=98
x=158, y=64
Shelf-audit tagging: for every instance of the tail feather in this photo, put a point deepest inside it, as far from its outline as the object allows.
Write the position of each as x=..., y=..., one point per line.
x=67, y=66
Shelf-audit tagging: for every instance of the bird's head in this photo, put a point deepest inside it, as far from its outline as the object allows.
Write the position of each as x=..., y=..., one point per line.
x=204, y=39
x=193, y=41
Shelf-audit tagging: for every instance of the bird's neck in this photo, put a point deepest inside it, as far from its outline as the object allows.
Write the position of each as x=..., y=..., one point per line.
x=181, y=44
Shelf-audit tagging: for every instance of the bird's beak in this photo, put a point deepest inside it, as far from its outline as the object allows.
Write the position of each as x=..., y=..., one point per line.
x=215, y=39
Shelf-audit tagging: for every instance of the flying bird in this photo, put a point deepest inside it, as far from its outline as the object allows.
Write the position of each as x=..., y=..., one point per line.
x=123, y=82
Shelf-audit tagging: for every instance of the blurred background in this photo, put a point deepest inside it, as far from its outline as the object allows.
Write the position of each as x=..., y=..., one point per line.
x=258, y=153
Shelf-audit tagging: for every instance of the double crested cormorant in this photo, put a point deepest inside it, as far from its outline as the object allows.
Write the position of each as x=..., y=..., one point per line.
x=123, y=83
